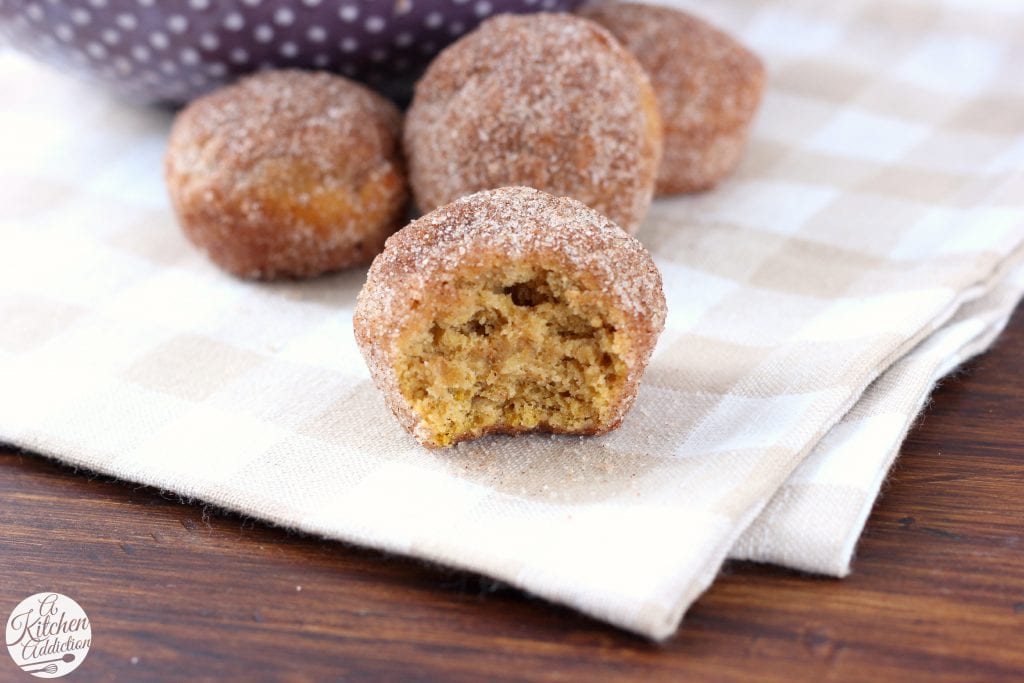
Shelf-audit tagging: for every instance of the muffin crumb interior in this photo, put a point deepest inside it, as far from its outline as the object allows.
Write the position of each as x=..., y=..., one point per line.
x=523, y=348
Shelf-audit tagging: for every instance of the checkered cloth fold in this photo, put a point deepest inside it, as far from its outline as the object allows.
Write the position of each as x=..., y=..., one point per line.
x=871, y=240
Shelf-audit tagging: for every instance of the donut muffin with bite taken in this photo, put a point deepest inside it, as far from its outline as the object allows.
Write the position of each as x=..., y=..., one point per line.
x=549, y=101
x=509, y=311
x=287, y=174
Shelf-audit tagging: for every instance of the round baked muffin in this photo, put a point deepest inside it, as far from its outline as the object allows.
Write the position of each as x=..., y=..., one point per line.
x=708, y=87
x=288, y=173
x=509, y=311
x=549, y=101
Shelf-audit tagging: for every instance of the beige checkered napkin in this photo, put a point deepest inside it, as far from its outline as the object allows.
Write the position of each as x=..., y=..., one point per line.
x=813, y=521
x=877, y=215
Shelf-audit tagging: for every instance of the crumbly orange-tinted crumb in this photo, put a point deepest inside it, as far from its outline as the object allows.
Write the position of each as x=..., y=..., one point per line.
x=518, y=349
x=492, y=236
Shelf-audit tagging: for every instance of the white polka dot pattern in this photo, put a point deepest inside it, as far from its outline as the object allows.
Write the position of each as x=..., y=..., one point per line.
x=172, y=52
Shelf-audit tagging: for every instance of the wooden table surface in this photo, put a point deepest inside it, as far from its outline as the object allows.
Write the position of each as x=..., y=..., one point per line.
x=177, y=592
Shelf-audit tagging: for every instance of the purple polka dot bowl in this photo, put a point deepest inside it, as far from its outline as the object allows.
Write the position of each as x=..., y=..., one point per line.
x=168, y=52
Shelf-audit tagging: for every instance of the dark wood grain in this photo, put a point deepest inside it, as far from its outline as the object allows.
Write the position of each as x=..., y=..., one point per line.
x=176, y=592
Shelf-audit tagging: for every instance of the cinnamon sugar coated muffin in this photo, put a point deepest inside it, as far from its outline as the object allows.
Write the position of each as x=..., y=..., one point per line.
x=708, y=86
x=287, y=173
x=509, y=311
x=549, y=101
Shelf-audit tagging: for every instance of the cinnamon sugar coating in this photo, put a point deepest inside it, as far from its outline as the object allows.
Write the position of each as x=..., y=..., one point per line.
x=549, y=101
x=509, y=311
x=287, y=174
x=708, y=87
